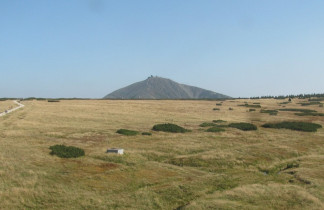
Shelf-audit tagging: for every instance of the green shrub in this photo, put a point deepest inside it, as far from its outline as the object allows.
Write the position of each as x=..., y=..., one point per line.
x=216, y=109
x=207, y=124
x=243, y=126
x=219, y=121
x=66, y=151
x=168, y=127
x=298, y=110
x=256, y=103
x=310, y=103
x=285, y=102
x=52, y=100
x=251, y=106
x=251, y=110
x=316, y=99
x=231, y=109
x=299, y=126
x=309, y=114
x=215, y=129
x=146, y=134
x=270, y=112
x=218, y=104
x=127, y=132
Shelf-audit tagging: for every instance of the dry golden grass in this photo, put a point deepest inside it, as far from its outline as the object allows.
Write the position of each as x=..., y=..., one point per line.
x=5, y=105
x=196, y=170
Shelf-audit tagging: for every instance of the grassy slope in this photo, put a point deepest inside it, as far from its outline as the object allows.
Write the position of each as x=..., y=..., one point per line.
x=163, y=171
x=5, y=105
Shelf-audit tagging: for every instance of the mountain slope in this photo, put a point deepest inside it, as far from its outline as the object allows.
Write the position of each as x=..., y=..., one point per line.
x=161, y=88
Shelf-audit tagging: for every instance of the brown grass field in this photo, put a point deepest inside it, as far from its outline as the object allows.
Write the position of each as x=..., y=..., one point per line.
x=196, y=170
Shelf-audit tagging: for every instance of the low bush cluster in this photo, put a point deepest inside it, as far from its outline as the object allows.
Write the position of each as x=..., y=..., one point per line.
x=251, y=105
x=285, y=102
x=216, y=109
x=316, y=99
x=207, y=124
x=299, y=126
x=169, y=127
x=243, y=126
x=304, y=112
x=309, y=114
x=146, y=134
x=66, y=151
x=215, y=129
x=219, y=121
x=310, y=103
x=298, y=110
x=52, y=100
x=270, y=112
x=127, y=132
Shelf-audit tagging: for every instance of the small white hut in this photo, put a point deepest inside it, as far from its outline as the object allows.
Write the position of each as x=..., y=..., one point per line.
x=116, y=150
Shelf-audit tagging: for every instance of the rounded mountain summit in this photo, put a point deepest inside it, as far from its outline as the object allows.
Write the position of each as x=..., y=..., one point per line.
x=162, y=88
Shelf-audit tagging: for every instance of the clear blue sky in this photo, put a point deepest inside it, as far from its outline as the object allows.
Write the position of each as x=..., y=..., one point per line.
x=88, y=48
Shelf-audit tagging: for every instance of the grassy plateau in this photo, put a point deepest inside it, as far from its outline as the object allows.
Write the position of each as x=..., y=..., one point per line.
x=265, y=168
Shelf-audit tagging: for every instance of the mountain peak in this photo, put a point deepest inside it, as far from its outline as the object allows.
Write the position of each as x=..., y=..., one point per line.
x=155, y=87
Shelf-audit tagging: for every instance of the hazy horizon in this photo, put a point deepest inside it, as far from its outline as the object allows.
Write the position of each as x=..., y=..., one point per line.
x=87, y=49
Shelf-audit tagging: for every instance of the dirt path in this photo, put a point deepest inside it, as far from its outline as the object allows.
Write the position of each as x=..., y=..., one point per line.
x=14, y=109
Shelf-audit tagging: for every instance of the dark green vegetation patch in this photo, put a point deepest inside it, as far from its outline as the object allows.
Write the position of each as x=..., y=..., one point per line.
x=298, y=126
x=251, y=105
x=304, y=112
x=219, y=121
x=270, y=112
x=52, y=100
x=310, y=103
x=316, y=99
x=66, y=151
x=218, y=104
x=243, y=126
x=146, y=134
x=215, y=129
x=251, y=110
x=207, y=124
x=127, y=132
x=169, y=127
x=310, y=114
x=298, y=110
x=285, y=102
x=216, y=109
